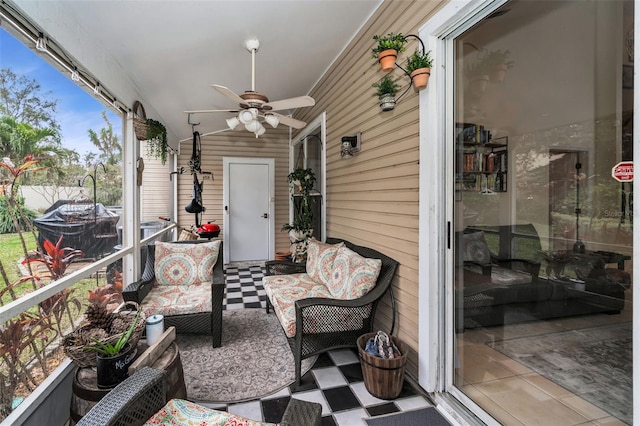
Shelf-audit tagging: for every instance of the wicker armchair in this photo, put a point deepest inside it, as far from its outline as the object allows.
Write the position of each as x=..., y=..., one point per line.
x=196, y=322
x=329, y=330
x=140, y=396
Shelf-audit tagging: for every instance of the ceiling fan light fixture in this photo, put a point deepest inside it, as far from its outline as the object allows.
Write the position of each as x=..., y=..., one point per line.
x=253, y=126
x=260, y=130
x=233, y=122
x=272, y=120
x=248, y=115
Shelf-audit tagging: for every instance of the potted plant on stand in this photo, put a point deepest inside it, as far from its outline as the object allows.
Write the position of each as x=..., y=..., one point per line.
x=113, y=358
x=419, y=66
x=386, y=90
x=387, y=49
x=300, y=230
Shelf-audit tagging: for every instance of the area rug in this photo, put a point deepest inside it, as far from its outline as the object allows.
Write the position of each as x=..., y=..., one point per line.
x=593, y=363
x=254, y=360
x=423, y=417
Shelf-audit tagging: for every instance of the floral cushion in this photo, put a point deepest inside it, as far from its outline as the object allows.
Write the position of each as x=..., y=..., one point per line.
x=185, y=264
x=178, y=300
x=320, y=258
x=353, y=275
x=475, y=249
x=181, y=412
x=284, y=290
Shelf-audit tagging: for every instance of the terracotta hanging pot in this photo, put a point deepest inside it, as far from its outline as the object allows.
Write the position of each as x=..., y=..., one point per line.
x=420, y=78
x=387, y=59
x=479, y=84
x=499, y=73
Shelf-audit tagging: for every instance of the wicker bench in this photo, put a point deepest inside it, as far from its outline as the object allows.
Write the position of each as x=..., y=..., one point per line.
x=322, y=323
x=197, y=321
x=137, y=399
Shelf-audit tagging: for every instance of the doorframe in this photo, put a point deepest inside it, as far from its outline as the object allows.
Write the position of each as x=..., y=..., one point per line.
x=435, y=295
x=226, y=161
x=319, y=122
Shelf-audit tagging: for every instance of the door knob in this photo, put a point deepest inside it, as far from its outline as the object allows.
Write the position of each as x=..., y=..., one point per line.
x=265, y=215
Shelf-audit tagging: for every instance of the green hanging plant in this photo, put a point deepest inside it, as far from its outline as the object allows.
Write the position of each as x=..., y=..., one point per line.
x=157, y=145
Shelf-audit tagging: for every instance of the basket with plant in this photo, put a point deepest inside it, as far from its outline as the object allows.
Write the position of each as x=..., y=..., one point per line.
x=103, y=328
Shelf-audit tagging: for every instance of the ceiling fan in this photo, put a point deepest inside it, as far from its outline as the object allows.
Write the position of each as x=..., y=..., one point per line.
x=254, y=108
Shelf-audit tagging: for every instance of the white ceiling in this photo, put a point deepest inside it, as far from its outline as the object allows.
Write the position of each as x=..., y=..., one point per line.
x=174, y=50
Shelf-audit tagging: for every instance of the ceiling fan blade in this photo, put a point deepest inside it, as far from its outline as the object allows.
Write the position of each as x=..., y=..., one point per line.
x=291, y=103
x=206, y=111
x=288, y=121
x=230, y=94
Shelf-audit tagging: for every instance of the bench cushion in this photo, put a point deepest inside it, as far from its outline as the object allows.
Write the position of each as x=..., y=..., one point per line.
x=181, y=412
x=178, y=300
x=320, y=258
x=285, y=290
x=353, y=275
x=185, y=264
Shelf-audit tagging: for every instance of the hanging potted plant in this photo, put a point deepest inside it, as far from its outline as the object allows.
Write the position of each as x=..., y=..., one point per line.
x=386, y=90
x=113, y=359
x=497, y=64
x=157, y=145
x=387, y=49
x=300, y=230
x=419, y=66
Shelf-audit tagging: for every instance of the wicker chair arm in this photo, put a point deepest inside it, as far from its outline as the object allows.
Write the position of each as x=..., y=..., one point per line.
x=137, y=291
x=283, y=267
x=132, y=402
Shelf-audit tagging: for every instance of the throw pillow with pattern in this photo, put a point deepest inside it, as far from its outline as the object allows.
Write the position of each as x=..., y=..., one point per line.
x=320, y=258
x=353, y=275
x=185, y=264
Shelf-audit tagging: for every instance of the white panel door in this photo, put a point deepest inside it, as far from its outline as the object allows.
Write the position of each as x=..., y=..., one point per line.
x=249, y=229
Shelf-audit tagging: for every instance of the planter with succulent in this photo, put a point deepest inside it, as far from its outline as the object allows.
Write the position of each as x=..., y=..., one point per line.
x=419, y=66
x=387, y=49
x=113, y=358
x=386, y=90
x=157, y=145
x=301, y=229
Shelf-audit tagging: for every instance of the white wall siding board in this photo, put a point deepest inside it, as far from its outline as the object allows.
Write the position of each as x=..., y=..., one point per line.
x=156, y=192
x=372, y=198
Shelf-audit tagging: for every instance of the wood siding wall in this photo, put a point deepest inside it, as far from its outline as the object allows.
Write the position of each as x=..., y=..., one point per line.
x=372, y=198
x=156, y=192
x=273, y=144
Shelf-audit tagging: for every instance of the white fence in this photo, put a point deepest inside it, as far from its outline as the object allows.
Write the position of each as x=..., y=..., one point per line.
x=42, y=197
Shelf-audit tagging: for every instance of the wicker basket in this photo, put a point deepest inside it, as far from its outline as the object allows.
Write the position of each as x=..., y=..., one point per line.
x=140, y=121
x=186, y=235
x=84, y=357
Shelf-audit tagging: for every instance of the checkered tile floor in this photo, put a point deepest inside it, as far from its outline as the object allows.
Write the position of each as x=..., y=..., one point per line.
x=335, y=381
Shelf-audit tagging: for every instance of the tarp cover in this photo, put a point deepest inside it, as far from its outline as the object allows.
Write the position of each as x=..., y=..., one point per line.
x=87, y=227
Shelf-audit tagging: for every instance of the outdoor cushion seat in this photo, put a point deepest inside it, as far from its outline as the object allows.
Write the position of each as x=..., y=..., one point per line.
x=284, y=290
x=178, y=300
x=183, y=281
x=331, y=300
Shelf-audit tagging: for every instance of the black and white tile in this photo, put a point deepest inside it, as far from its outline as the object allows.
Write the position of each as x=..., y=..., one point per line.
x=335, y=381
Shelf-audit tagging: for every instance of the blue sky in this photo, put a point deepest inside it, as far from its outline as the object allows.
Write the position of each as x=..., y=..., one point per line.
x=77, y=111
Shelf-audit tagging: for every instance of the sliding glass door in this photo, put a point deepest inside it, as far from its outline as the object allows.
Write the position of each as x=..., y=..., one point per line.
x=543, y=198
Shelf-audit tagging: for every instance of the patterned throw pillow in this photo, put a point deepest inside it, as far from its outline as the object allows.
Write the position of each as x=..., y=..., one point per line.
x=475, y=249
x=353, y=275
x=320, y=258
x=185, y=264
